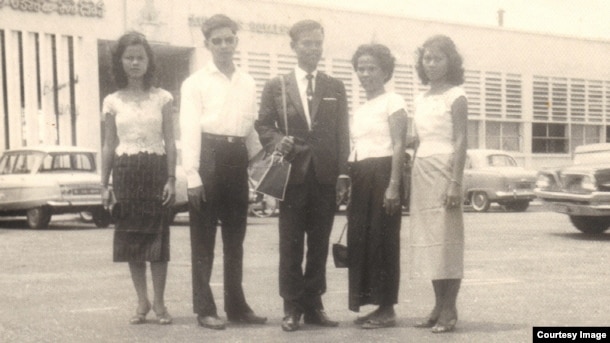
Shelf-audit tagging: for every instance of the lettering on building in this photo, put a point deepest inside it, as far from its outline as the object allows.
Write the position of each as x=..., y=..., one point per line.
x=268, y=28
x=83, y=8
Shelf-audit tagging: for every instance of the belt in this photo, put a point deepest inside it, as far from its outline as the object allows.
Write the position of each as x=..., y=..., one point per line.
x=222, y=138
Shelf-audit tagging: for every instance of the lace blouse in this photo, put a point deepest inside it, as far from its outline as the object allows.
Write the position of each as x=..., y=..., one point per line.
x=138, y=122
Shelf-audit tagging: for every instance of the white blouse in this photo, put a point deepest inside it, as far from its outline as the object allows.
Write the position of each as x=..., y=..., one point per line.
x=433, y=122
x=139, y=123
x=370, y=127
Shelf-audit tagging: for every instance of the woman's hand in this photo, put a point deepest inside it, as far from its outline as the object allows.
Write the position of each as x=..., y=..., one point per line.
x=391, y=199
x=454, y=195
x=169, y=192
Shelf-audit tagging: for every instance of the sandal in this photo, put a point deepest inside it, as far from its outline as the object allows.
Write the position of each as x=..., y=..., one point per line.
x=428, y=323
x=442, y=328
x=379, y=323
x=164, y=318
x=363, y=319
x=139, y=317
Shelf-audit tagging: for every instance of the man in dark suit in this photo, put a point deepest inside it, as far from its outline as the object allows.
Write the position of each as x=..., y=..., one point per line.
x=317, y=145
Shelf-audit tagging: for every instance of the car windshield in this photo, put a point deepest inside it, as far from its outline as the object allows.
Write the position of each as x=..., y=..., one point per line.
x=23, y=162
x=501, y=161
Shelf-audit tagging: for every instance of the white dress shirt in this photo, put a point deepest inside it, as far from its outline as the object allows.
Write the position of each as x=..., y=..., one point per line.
x=301, y=76
x=213, y=103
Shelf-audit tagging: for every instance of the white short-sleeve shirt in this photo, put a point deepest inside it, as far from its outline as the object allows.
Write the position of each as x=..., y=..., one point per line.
x=370, y=127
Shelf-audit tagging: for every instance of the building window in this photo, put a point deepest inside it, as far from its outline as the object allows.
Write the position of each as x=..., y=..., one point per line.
x=549, y=138
x=584, y=134
x=493, y=94
x=472, y=86
x=473, y=134
x=513, y=96
x=502, y=136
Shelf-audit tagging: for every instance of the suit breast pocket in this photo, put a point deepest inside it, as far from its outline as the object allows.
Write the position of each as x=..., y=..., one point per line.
x=328, y=104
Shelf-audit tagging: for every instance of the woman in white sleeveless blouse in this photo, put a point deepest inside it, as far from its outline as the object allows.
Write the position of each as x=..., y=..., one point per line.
x=437, y=227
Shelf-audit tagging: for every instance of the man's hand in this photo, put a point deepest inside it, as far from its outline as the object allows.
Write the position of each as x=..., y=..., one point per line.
x=196, y=196
x=285, y=146
x=342, y=189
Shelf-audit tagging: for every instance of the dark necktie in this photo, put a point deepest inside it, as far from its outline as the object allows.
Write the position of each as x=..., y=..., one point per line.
x=309, y=92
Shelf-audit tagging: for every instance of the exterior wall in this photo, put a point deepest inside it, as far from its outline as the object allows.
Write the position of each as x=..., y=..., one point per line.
x=506, y=71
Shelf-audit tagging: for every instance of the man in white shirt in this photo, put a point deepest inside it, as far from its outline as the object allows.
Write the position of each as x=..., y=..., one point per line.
x=217, y=113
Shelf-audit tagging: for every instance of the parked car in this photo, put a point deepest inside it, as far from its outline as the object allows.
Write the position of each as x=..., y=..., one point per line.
x=39, y=182
x=581, y=190
x=493, y=176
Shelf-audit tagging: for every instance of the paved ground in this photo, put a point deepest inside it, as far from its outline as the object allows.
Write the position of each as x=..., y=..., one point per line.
x=522, y=269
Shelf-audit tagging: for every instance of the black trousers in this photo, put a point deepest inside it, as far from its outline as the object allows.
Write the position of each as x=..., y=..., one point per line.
x=223, y=170
x=308, y=210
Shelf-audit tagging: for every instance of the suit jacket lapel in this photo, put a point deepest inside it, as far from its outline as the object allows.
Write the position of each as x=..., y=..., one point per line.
x=293, y=93
x=318, y=95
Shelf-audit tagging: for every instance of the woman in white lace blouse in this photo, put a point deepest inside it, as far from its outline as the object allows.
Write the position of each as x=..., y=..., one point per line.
x=140, y=151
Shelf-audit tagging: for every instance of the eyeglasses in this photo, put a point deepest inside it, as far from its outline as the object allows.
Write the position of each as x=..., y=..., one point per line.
x=227, y=40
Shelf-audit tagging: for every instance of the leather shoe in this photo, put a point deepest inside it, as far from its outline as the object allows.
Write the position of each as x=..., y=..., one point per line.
x=291, y=322
x=247, y=318
x=211, y=322
x=319, y=317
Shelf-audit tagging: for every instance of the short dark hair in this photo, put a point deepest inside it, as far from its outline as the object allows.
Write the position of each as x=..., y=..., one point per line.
x=455, y=70
x=382, y=54
x=218, y=21
x=128, y=39
x=303, y=26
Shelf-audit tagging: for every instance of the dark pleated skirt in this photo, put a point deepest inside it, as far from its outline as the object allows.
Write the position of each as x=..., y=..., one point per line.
x=141, y=222
x=373, y=237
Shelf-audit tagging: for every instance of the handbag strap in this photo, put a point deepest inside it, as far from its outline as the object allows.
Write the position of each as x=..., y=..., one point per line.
x=283, y=83
x=342, y=233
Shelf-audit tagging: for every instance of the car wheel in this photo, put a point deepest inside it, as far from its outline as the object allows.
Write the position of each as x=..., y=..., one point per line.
x=101, y=218
x=591, y=225
x=517, y=206
x=264, y=208
x=480, y=201
x=38, y=218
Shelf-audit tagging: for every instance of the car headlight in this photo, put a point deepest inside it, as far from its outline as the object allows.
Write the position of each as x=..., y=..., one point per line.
x=65, y=190
x=588, y=183
x=543, y=182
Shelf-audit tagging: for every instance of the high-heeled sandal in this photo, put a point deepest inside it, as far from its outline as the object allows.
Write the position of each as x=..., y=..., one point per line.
x=164, y=318
x=428, y=323
x=139, y=317
x=442, y=328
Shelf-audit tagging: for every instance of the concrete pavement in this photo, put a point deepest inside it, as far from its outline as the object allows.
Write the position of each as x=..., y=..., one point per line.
x=522, y=269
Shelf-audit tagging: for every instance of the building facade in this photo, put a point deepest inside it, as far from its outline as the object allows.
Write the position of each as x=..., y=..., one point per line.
x=537, y=96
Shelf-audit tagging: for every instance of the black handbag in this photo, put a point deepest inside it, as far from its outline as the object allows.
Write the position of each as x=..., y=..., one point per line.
x=275, y=169
x=340, y=251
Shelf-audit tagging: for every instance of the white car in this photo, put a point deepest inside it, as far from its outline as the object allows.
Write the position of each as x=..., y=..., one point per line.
x=44, y=180
x=493, y=176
